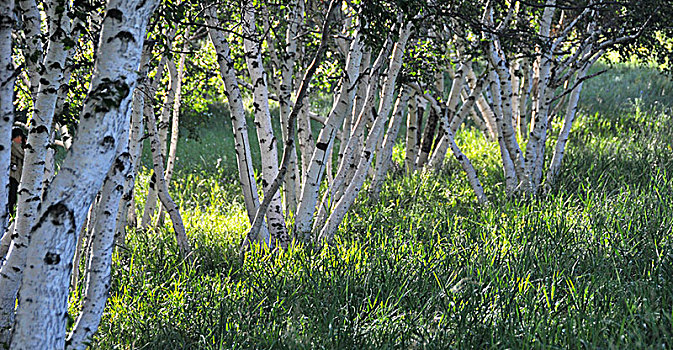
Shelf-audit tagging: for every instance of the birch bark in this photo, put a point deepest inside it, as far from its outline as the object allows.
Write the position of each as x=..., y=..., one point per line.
x=6, y=106
x=41, y=317
x=542, y=68
x=99, y=265
x=329, y=229
x=385, y=155
x=411, y=142
x=162, y=189
x=267, y=139
x=238, y=121
x=316, y=167
x=126, y=204
x=30, y=192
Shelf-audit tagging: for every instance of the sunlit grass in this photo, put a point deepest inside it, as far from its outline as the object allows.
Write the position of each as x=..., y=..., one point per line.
x=588, y=266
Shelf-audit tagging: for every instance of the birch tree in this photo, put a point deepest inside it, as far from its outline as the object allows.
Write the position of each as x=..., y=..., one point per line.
x=40, y=318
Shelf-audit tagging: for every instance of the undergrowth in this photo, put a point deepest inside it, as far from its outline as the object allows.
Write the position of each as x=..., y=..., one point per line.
x=590, y=265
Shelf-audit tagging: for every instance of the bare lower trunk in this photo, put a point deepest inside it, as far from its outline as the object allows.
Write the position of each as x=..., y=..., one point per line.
x=30, y=192
x=41, y=316
x=162, y=189
x=385, y=155
x=98, y=281
x=6, y=108
x=559, y=150
x=411, y=142
x=316, y=167
x=238, y=122
x=344, y=203
x=265, y=134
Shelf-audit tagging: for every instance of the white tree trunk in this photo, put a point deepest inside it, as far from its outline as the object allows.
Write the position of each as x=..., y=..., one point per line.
x=295, y=19
x=241, y=142
x=6, y=107
x=33, y=54
x=411, y=142
x=162, y=189
x=148, y=109
x=98, y=281
x=43, y=302
x=559, y=150
x=385, y=155
x=175, y=121
x=267, y=139
x=127, y=203
x=346, y=201
x=30, y=190
x=511, y=180
x=312, y=177
x=348, y=162
x=542, y=70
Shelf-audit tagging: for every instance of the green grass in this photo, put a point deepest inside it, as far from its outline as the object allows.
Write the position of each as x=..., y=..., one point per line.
x=588, y=266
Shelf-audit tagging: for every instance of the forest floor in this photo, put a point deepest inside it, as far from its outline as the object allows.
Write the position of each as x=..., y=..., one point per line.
x=588, y=266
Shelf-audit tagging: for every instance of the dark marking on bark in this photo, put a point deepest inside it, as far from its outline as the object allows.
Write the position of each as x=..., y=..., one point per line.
x=52, y=258
x=321, y=146
x=115, y=14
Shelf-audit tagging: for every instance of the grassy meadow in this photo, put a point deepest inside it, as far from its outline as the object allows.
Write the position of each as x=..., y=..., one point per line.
x=424, y=267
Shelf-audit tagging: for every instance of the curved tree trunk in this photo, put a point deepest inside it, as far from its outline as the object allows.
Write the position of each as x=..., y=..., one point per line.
x=346, y=201
x=241, y=142
x=312, y=177
x=127, y=204
x=162, y=189
x=385, y=155
x=6, y=110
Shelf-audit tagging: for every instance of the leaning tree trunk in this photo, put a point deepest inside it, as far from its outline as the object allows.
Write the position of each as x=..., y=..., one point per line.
x=30, y=192
x=99, y=263
x=265, y=134
x=385, y=154
x=126, y=205
x=43, y=303
x=542, y=74
x=162, y=189
x=319, y=159
x=411, y=143
x=152, y=195
x=239, y=124
x=33, y=52
x=346, y=201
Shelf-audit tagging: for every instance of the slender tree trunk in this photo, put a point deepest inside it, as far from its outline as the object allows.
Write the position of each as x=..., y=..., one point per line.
x=536, y=144
x=148, y=108
x=33, y=53
x=238, y=122
x=428, y=139
x=292, y=180
x=162, y=189
x=127, y=203
x=349, y=162
x=341, y=207
x=301, y=95
x=559, y=150
x=30, y=192
x=43, y=302
x=385, y=155
x=411, y=149
x=100, y=259
x=6, y=107
x=265, y=134
x=319, y=159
